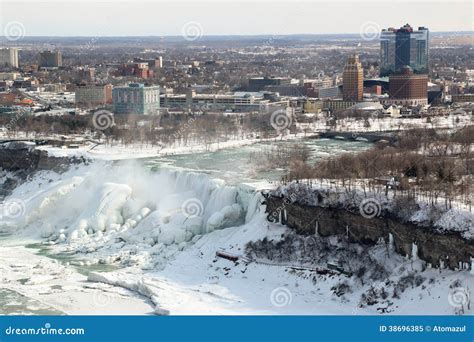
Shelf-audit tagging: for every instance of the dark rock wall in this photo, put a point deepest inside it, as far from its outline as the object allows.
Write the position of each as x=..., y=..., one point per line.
x=28, y=160
x=433, y=247
x=24, y=161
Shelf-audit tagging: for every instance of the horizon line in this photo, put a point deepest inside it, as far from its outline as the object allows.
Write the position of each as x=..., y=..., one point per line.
x=215, y=35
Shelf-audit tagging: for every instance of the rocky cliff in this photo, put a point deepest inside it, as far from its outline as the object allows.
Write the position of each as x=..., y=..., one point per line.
x=23, y=159
x=448, y=249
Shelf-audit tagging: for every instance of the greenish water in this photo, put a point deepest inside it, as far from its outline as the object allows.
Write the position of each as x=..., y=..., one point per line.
x=14, y=303
x=73, y=260
x=241, y=164
x=4, y=233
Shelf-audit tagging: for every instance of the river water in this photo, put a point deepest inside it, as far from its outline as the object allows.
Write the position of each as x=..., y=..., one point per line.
x=237, y=165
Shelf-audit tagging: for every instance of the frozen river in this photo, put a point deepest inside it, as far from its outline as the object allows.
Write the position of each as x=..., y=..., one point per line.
x=236, y=165
x=84, y=221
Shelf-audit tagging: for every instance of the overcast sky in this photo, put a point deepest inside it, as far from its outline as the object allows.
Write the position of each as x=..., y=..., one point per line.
x=161, y=18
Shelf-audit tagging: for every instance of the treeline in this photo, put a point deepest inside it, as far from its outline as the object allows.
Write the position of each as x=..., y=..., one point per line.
x=424, y=163
x=166, y=129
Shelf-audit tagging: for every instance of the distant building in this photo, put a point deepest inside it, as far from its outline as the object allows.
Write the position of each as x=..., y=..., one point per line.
x=136, y=69
x=380, y=81
x=373, y=90
x=53, y=87
x=338, y=105
x=91, y=95
x=329, y=93
x=463, y=98
x=50, y=59
x=136, y=99
x=7, y=99
x=153, y=63
x=236, y=102
x=9, y=76
x=321, y=82
x=404, y=46
x=408, y=89
x=313, y=106
x=259, y=83
x=25, y=83
x=353, y=80
x=288, y=90
x=9, y=57
x=86, y=74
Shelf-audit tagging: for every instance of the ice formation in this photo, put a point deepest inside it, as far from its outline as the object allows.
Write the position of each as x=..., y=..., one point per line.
x=106, y=202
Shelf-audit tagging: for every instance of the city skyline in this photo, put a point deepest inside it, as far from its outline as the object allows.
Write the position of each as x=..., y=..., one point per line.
x=230, y=17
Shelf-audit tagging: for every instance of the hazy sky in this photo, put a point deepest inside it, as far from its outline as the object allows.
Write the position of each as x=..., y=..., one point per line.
x=158, y=17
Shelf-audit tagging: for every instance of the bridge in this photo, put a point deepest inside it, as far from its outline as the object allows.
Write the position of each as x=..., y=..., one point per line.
x=36, y=141
x=52, y=141
x=372, y=137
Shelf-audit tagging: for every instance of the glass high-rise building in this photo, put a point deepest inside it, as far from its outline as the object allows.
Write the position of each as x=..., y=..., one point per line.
x=404, y=47
x=136, y=99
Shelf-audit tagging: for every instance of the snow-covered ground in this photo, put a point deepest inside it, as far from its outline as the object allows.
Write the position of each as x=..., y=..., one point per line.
x=146, y=241
x=117, y=151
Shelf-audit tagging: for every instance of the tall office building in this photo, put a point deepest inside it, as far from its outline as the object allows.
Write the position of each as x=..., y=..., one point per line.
x=404, y=46
x=50, y=59
x=9, y=57
x=136, y=99
x=353, y=80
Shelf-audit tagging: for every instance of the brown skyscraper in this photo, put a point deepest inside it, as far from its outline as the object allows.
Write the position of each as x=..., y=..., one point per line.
x=407, y=88
x=353, y=80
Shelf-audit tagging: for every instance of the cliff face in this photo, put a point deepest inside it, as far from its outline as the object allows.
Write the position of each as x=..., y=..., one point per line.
x=22, y=157
x=433, y=247
x=23, y=160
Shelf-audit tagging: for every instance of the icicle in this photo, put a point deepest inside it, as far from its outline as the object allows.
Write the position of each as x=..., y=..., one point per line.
x=414, y=251
x=472, y=266
x=391, y=244
x=316, y=229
